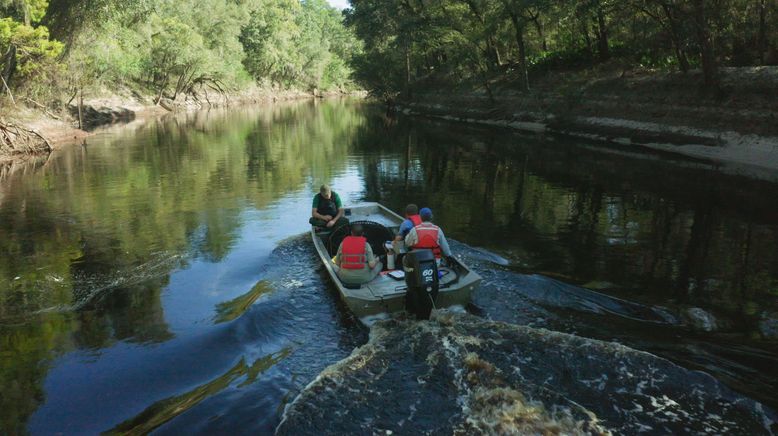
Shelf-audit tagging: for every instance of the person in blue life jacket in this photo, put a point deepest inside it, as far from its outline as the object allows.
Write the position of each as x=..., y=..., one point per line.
x=412, y=219
x=428, y=236
x=355, y=262
x=327, y=211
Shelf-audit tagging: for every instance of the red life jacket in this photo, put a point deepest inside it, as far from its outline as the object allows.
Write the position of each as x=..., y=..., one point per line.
x=353, y=254
x=428, y=238
x=415, y=219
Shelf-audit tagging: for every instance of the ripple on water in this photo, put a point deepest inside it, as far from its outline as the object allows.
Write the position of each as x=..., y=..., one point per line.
x=276, y=337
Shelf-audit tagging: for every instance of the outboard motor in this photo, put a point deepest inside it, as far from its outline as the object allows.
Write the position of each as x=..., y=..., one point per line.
x=421, y=277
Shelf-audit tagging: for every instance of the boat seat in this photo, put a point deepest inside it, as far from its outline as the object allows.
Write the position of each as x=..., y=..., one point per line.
x=350, y=285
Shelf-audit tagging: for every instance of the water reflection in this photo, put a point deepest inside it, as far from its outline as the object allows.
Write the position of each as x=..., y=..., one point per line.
x=165, y=410
x=142, y=245
x=99, y=228
x=676, y=234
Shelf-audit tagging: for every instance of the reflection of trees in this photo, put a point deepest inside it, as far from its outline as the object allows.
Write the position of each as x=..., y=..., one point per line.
x=102, y=233
x=131, y=313
x=587, y=215
x=694, y=264
x=24, y=349
x=164, y=410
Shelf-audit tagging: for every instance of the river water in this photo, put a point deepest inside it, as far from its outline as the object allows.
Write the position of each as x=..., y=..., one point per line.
x=158, y=277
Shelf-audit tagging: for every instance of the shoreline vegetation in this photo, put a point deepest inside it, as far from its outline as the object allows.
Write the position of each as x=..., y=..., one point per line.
x=68, y=66
x=691, y=77
x=696, y=78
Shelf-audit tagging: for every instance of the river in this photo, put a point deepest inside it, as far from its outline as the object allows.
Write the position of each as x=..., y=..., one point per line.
x=158, y=277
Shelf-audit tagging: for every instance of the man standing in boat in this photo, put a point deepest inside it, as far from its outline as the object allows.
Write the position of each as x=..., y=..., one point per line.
x=327, y=209
x=355, y=262
x=428, y=236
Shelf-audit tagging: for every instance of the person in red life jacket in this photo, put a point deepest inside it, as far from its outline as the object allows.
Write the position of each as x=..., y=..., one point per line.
x=355, y=262
x=428, y=235
x=327, y=209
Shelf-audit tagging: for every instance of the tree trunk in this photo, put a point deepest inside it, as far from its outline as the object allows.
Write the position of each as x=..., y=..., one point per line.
x=26, y=8
x=10, y=95
x=519, y=28
x=761, y=36
x=9, y=64
x=491, y=47
x=602, y=34
x=407, y=70
x=675, y=37
x=494, y=51
x=162, y=88
x=709, y=67
x=539, y=29
x=497, y=56
x=587, y=39
x=80, y=108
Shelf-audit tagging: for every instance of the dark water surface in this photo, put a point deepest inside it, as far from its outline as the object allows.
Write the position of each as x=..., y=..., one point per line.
x=156, y=278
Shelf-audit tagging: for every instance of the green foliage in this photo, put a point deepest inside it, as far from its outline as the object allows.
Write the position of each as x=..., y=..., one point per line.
x=25, y=11
x=460, y=41
x=175, y=47
x=269, y=40
x=289, y=44
x=36, y=54
x=163, y=45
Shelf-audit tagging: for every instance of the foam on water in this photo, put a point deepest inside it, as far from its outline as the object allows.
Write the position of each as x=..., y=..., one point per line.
x=461, y=374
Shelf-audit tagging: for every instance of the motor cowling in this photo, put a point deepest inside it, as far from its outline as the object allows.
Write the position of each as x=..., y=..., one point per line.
x=421, y=277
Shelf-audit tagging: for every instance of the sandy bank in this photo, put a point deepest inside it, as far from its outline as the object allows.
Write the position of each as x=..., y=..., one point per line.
x=736, y=128
x=122, y=107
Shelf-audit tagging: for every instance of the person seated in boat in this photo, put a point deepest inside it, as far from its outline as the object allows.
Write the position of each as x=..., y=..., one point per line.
x=428, y=236
x=412, y=219
x=355, y=262
x=327, y=209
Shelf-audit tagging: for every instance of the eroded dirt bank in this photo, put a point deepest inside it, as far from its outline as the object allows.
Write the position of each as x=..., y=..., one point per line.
x=736, y=126
x=42, y=130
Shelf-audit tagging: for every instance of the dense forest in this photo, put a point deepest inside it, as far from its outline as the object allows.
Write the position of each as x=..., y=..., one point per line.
x=51, y=50
x=413, y=43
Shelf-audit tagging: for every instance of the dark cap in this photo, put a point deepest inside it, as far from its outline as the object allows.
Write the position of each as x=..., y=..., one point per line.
x=425, y=213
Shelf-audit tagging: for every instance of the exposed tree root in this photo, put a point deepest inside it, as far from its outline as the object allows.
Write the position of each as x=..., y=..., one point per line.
x=15, y=139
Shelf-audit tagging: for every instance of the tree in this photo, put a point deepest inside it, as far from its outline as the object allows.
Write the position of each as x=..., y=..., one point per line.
x=703, y=33
x=25, y=49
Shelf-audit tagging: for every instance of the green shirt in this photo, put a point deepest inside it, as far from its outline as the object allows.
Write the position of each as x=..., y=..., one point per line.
x=335, y=197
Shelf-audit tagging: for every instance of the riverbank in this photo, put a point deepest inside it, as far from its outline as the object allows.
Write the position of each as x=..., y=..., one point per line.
x=49, y=131
x=736, y=127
